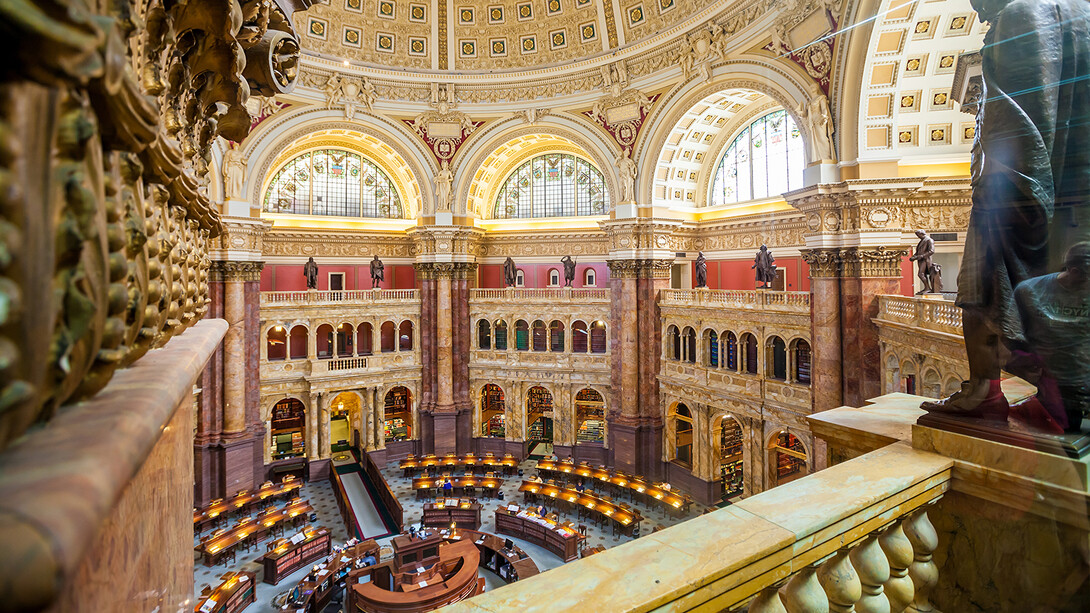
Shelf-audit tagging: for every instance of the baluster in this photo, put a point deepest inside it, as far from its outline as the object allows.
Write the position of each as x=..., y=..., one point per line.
x=803, y=593
x=870, y=562
x=768, y=601
x=923, y=571
x=899, y=553
x=841, y=582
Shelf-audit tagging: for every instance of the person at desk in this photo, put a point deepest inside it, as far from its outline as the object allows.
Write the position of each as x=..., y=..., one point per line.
x=579, y=487
x=448, y=487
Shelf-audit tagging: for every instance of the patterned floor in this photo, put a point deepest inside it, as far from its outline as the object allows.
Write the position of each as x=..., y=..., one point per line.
x=321, y=497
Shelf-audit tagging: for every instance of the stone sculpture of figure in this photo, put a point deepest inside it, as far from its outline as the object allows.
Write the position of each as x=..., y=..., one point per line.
x=443, y=179
x=1031, y=185
x=701, y=270
x=626, y=172
x=819, y=120
x=569, y=270
x=924, y=250
x=763, y=263
x=332, y=91
x=234, y=173
x=310, y=271
x=368, y=95
x=509, y=273
x=377, y=272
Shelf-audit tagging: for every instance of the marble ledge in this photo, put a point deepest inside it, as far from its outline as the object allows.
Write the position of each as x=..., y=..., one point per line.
x=713, y=561
x=58, y=484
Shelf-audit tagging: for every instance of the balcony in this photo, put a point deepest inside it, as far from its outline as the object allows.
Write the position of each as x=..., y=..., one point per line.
x=923, y=313
x=761, y=300
x=549, y=295
x=361, y=297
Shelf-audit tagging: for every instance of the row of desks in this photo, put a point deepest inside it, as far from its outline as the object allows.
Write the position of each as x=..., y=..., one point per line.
x=226, y=539
x=244, y=500
x=423, y=485
x=627, y=519
x=507, y=463
x=668, y=498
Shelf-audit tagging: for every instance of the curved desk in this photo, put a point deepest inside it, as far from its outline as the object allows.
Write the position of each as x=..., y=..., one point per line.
x=316, y=590
x=669, y=498
x=564, y=542
x=510, y=564
x=507, y=463
x=452, y=578
x=625, y=519
x=424, y=485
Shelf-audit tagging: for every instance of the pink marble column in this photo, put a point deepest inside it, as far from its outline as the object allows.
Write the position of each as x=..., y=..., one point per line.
x=865, y=274
x=826, y=384
x=234, y=358
x=443, y=342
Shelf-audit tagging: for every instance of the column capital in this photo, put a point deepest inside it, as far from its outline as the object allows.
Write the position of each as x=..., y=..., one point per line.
x=823, y=263
x=446, y=243
x=236, y=271
x=446, y=270
x=867, y=262
x=242, y=239
x=640, y=269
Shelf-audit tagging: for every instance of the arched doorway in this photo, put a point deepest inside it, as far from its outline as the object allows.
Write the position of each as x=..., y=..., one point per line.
x=288, y=428
x=539, y=415
x=345, y=419
x=493, y=422
x=397, y=414
x=590, y=417
x=730, y=456
x=683, y=435
x=786, y=458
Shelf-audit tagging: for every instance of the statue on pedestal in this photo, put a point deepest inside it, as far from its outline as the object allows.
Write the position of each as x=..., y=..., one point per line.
x=310, y=271
x=764, y=264
x=509, y=273
x=626, y=172
x=377, y=272
x=443, y=179
x=1031, y=189
x=927, y=273
x=569, y=270
x=701, y=270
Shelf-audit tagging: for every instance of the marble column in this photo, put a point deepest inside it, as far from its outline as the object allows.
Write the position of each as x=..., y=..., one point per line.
x=443, y=350
x=865, y=274
x=369, y=418
x=826, y=386
x=234, y=357
x=313, y=413
x=324, y=444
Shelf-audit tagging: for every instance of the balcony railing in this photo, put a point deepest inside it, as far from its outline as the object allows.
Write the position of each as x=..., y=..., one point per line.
x=927, y=314
x=360, y=296
x=549, y=294
x=738, y=299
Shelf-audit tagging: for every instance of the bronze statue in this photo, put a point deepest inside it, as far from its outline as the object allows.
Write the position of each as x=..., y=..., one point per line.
x=377, y=272
x=763, y=262
x=509, y=273
x=569, y=270
x=701, y=270
x=925, y=249
x=310, y=271
x=1031, y=182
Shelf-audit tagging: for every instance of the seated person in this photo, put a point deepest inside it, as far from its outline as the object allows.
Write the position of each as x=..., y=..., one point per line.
x=369, y=561
x=579, y=487
x=666, y=486
x=448, y=487
x=540, y=510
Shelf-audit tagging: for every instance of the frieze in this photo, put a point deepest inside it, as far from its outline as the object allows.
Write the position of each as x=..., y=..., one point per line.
x=880, y=262
x=307, y=244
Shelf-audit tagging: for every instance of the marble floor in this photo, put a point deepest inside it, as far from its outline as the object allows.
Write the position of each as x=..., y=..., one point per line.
x=321, y=497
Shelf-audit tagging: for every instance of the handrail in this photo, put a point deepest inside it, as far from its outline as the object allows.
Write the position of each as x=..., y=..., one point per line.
x=770, y=547
x=550, y=294
x=925, y=313
x=738, y=298
x=319, y=297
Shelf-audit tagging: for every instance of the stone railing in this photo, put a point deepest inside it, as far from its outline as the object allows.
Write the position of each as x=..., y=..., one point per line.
x=549, y=294
x=739, y=299
x=856, y=534
x=362, y=296
x=925, y=313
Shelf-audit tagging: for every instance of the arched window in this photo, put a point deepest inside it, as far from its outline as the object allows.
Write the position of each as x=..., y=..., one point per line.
x=387, y=334
x=405, y=336
x=713, y=348
x=690, y=345
x=673, y=343
x=484, y=334
x=325, y=341
x=554, y=277
x=288, y=429
x=552, y=185
x=345, y=341
x=589, y=278
x=332, y=182
x=520, y=278
x=501, y=335
x=365, y=339
x=556, y=336
x=749, y=346
x=522, y=335
x=398, y=413
x=731, y=358
x=598, y=337
x=766, y=159
x=277, y=343
x=541, y=336
x=579, y=341
x=777, y=366
x=802, y=362
x=683, y=435
x=297, y=340
x=590, y=416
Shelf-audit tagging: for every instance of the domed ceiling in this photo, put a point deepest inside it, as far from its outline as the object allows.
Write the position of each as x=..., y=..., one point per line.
x=489, y=36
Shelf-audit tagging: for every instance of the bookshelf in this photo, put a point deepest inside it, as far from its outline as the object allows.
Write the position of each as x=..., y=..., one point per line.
x=397, y=415
x=789, y=457
x=492, y=408
x=730, y=454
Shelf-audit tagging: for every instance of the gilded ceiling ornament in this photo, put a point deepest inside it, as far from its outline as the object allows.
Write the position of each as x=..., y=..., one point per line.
x=700, y=49
x=443, y=129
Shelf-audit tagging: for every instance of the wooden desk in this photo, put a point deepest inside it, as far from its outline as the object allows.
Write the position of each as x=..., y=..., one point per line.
x=464, y=514
x=286, y=557
x=235, y=594
x=422, y=484
x=451, y=579
x=316, y=590
x=511, y=565
x=243, y=501
x=627, y=519
x=562, y=541
x=671, y=499
x=508, y=463
x=214, y=548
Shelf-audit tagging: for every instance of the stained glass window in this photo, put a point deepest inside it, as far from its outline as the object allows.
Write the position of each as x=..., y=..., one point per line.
x=333, y=182
x=553, y=185
x=765, y=160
